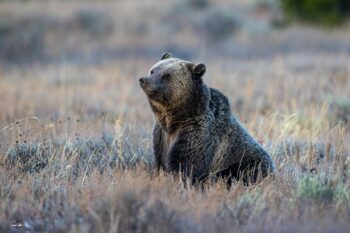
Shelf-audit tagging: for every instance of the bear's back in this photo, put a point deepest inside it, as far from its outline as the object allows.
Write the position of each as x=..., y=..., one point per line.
x=233, y=142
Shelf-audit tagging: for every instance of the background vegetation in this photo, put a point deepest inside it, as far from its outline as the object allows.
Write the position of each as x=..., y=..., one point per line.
x=322, y=12
x=75, y=128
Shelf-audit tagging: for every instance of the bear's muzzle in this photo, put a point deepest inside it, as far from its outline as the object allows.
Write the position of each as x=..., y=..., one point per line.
x=143, y=82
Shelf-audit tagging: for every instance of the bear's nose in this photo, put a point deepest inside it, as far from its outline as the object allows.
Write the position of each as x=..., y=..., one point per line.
x=142, y=82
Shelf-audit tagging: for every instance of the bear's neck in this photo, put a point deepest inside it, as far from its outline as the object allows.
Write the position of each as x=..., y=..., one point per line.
x=171, y=118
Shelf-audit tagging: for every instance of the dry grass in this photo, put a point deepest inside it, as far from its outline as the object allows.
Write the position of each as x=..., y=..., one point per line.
x=93, y=126
x=76, y=142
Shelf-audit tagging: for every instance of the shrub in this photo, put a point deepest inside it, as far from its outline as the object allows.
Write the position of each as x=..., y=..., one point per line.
x=291, y=148
x=322, y=12
x=29, y=157
x=23, y=39
x=343, y=194
x=312, y=188
x=219, y=23
x=198, y=4
x=339, y=110
x=95, y=23
x=81, y=155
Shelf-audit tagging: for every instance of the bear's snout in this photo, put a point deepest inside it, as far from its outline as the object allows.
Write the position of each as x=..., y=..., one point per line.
x=143, y=82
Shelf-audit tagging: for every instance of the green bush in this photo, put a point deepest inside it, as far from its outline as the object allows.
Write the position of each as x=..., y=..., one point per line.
x=312, y=188
x=321, y=12
x=339, y=110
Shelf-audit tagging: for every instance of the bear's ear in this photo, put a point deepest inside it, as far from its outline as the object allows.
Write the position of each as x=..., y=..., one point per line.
x=165, y=56
x=199, y=70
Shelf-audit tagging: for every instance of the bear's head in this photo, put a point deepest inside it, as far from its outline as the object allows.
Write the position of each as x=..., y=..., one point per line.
x=172, y=81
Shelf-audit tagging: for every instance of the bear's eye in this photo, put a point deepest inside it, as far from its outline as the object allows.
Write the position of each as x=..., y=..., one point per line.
x=166, y=76
x=152, y=71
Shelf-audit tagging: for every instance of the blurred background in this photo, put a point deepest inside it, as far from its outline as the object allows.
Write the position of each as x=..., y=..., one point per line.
x=93, y=32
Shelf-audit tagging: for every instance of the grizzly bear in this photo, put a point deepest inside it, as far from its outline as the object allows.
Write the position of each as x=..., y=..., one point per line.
x=195, y=132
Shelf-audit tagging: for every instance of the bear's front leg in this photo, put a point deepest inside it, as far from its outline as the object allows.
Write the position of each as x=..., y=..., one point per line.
x=158, y=146
x=178, y=158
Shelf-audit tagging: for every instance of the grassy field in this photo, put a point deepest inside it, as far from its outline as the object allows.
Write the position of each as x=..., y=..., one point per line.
x=76, y=129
